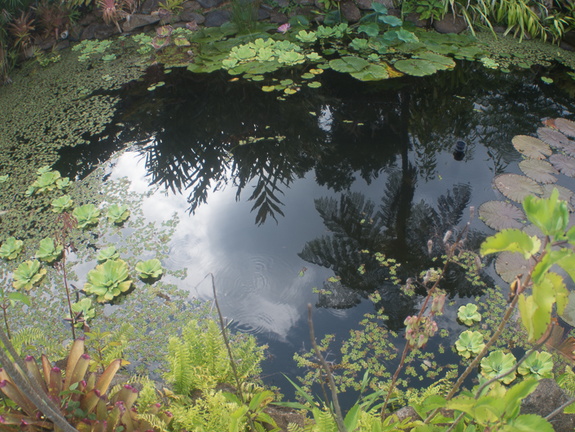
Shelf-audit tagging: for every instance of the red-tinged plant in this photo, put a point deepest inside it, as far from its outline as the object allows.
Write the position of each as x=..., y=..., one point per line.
x=81, y=397
x=53, y=18
x=112, y=12
x=21, y=29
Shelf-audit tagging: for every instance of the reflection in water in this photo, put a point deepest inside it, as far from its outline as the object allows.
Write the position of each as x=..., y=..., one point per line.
x=328, y=158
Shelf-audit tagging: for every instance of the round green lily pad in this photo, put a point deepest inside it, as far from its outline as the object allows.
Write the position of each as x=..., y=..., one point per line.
x=565, y=164
x=501, y=215
x=348, y=64
x=516, y=187
x=539, y=170
x=531, y=147
x=416, y=67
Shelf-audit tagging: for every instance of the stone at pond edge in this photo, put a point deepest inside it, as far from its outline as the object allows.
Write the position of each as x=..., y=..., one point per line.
x=140, y=20
x=217, y=18
x=99, y=31
x=366, y=4
x=545, y=399
x=149, y=6
x=350, y=11
x=210, y=3
x=450, y=24
x=189, y=15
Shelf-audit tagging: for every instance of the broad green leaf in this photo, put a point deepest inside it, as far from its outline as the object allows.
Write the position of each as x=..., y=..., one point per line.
x=550, y=215
x=415, y=67
x=86, y=215
x=528, y=423
x=511, y=240
x=150, y=269
x=514, y=396
x=11, y=248
x=62, y=204
x=527, y=308
x=567, y=263
x=118, y=214
x=497, y=363
x=19, y=297
x=351, y=418
x=28, y=274
x=48, y=251
x=391, y=20
x=538, y=365
x=348, y=64
x=547, y=261
x=371, y=29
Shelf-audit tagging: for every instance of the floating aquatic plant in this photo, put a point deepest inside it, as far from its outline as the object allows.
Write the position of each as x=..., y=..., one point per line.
x=107, y=254
x=150, y=269
x=539, y=170
x=28, y=274
x=108, y=280
x=62, y=204
x=531, y=147
x=48, y=251
x=565, y=164
x=496, y=363
x=11, y=248
x=46, y=182
x=468, y=314
x=470, y=343
x=516, y=187
x=565, y=126
x=501, y=215
x=508, y=265
x=86, y=215
x=118, y=214
x=85, y=309
x=538, y=364
x=554, y=138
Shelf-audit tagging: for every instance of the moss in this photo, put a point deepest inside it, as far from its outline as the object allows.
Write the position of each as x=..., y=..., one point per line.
x=65, y=104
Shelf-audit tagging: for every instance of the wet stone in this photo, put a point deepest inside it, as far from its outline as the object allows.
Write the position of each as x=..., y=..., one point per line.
x=139, y=20
x=149, y=6
x=208, y=4
x=350, y=11
x=189, y=15
x=217, y=18
x=450, y=24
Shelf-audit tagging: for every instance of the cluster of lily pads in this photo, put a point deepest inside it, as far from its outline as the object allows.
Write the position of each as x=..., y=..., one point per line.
x=109, y=279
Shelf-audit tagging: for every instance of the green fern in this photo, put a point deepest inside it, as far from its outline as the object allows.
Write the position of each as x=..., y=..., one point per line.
x=33, y=341
x=105, y=347
x=199, y=359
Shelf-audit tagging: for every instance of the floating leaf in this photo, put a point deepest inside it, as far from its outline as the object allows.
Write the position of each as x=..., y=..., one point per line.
x=86, y=215
x=531, y=147
x=28, y=274
x=441, y=62
x=150, y=269
x=516, y=187
x=501, y=215
x=511, y=240
x=48, y=250
x=348, y=64
x=564, y=193
x=62, y=204
x=371, y=73
x=107, y=254
x=553, y=137
x=565, y=126
x=538, y=364
x=108, y=280
x=497, y=363
x=565, y=164
x=11, y=248
x=539, y=170
x=415, y=67
x=314, y=84
x=468, y=314
x=118, y=214
x=510, y=265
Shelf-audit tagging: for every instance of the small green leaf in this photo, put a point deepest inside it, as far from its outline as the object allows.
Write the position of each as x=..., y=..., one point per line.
x=19, y=297
x=150, y=269
x=550, y=215
x=107, y=254
x=511, y=240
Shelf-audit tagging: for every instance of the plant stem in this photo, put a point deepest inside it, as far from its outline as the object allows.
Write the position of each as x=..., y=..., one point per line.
x=560, y=409
x=331, y=382
x=65, y=275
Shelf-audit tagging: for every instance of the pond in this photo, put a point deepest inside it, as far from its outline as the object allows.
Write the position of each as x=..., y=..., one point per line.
x=285, y=201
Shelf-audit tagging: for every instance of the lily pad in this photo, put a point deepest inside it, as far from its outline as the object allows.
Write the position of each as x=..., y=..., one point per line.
x=416, y=67
x=501, y=215
x=553, y=137
x=565, y=126
x=348, y=64
x=565, y=164
x=516, y=187
x=531, y=147
x=539, y=170
x=371, y=73
x=564, y=193
x=509, y=265
x=441, y=62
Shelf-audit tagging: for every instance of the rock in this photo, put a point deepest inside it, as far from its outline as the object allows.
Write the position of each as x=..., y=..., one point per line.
x=191, y=5
x=88, y=19
x=135, y=21
x=407, y=412
x=366, y=4
x=350, y=11
x=99, y=31
x=263, y=14
x=278, y=17
x=208, y=4
x=414, y=18
x=149, y=6
x=544, y=400
x=450, y=24
x=217, y=18
x=189, y=15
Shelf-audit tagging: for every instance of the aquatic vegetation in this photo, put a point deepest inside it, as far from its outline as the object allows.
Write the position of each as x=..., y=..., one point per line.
x=468, y=314
x=47, y=181
x=86, y=215
x=84, y=310
x=11, y=248
x=108, y=280
x=470, y=343
x=107, y=254
x=28, y=274
x=117, y=214
x=62, y=204
x=538, y=365
x=496, y=363
x=150, y=269
x=48, y=251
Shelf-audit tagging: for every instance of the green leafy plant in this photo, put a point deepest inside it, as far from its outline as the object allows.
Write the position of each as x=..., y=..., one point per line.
x=62, y=204
x=108, y=280
x=118, y=214
x=107, y=254
x=538, y=365
x=86, y=215
x=11, y=248
x=470, y=343
x=150, y=269
x=28, y=274
x=84, y=310
x=468, y=314
x=496, y=363
x=47, y=181
x=48, y=250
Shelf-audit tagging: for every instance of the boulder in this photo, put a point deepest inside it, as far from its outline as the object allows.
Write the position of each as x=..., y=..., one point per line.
x=366, y=4
x=547, y=397
x=450, y=24
x=414, y=18
x=350, y=11
x=135, y=21
x=149, y=6
x=278, y=17
x=189, y=15
x=217, y=18
x=209, y=4
x=99, y=31
x=191, y=5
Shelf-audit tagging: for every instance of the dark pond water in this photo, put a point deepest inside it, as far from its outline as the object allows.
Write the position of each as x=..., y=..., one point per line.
x=276, y=197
